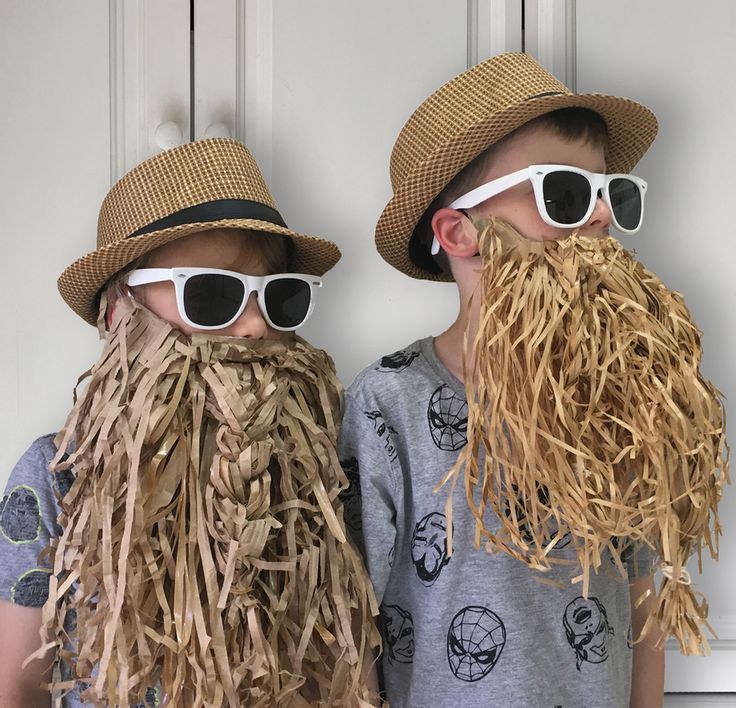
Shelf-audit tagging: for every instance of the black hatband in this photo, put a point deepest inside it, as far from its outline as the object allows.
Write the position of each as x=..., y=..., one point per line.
x=218, y=210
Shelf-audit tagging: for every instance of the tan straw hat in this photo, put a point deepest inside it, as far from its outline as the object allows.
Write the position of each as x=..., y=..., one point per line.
x=466, y=116
x=202, y=185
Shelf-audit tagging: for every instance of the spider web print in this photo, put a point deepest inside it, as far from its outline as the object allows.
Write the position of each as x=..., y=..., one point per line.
x=474, y=642
x=447, y=416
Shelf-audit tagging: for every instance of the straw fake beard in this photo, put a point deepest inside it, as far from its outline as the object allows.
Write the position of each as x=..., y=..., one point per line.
x=588, y=415
x=203, y=546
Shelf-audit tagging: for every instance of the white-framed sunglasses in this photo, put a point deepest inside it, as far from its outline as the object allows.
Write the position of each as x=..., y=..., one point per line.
x=210, y=298
x=566, y=196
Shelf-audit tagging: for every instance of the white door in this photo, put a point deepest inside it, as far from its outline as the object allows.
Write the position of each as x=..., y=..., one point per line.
x=85, y=86
x=319, y=91
x=678, y=58
x=54, y=172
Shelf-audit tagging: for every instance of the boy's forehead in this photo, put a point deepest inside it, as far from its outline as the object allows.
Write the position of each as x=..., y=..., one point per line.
x=229, y=249
x=544, y=145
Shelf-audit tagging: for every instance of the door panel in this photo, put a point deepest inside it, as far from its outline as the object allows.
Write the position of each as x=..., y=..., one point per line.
x=319, y=92
x=150, y=78
x=216, y=70
x=54, y=172
x=345, y=78
x=677, y=58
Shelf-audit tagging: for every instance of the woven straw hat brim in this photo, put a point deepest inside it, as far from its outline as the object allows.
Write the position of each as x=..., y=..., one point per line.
x=80, y=283
x=631, y=130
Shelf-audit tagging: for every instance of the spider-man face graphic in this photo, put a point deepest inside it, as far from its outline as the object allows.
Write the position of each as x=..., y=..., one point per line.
x=447, y=415
x=475, y=642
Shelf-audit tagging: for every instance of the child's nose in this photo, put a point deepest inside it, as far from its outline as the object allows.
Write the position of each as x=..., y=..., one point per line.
x=250, y=324
x=600, y=220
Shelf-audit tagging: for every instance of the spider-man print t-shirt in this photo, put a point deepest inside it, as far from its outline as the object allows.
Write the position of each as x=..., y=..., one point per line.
x=472, y=628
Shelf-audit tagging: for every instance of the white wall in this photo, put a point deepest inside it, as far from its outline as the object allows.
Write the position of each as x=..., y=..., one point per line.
x=342, y=89
x=678, y=59
x=54, y=172
x=340, y=78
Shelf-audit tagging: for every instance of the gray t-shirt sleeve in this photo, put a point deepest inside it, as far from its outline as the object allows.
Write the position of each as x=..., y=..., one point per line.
x=375, y=495
x=28, y=514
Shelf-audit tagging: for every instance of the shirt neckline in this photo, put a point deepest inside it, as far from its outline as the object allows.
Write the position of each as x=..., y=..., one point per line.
x=426, y=346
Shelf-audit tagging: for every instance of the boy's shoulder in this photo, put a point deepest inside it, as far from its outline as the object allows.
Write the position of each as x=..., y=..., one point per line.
x=31, y=473
x=35, y=460
x=399, y=369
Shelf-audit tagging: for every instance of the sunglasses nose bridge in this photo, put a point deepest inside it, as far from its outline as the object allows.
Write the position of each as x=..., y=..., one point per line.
x=260, y=303
x=251, y=322
x=601, y=213
x=600, y=189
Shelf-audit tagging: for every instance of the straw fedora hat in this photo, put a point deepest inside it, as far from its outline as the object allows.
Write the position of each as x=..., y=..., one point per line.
x=466, y=116
x=201, y=185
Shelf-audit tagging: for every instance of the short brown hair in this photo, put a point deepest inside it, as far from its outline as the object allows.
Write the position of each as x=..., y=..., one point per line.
x=273, y=250
x=276, y=251
x=569, y=123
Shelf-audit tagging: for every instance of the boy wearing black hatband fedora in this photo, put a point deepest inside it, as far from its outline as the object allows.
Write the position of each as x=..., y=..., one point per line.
x=558, y=398
x=181, y=539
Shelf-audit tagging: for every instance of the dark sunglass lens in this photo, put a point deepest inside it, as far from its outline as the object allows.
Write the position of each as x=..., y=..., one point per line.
x=287, y=301
x=625, y=203
x=566, y=196
x=212, y=299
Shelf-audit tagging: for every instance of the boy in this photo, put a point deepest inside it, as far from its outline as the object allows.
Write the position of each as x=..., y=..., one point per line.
x=535, y=394
x=199, y=556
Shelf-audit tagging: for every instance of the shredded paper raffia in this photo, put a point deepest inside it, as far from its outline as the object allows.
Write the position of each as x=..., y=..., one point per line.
x=589, y=415
x=203, y=546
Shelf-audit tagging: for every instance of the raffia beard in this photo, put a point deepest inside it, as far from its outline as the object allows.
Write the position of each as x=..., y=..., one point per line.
x=203, y=545
x=588, y=415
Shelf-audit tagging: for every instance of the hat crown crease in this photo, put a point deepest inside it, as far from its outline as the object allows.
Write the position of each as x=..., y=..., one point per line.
x=178, y=179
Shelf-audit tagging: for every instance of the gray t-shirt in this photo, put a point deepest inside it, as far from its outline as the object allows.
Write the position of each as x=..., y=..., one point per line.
x=28, y=521
x=471, y=629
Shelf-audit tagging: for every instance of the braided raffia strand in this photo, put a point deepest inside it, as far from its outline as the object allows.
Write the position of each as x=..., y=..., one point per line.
x=203, y=545
x=588, y=413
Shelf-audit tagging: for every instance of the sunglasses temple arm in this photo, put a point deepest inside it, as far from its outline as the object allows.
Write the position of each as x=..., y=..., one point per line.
x=144, y=276
x=480, y=194
x=490, y=189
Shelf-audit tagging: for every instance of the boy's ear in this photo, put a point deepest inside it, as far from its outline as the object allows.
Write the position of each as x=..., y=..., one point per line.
x=111, y=297
x=455, y=232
